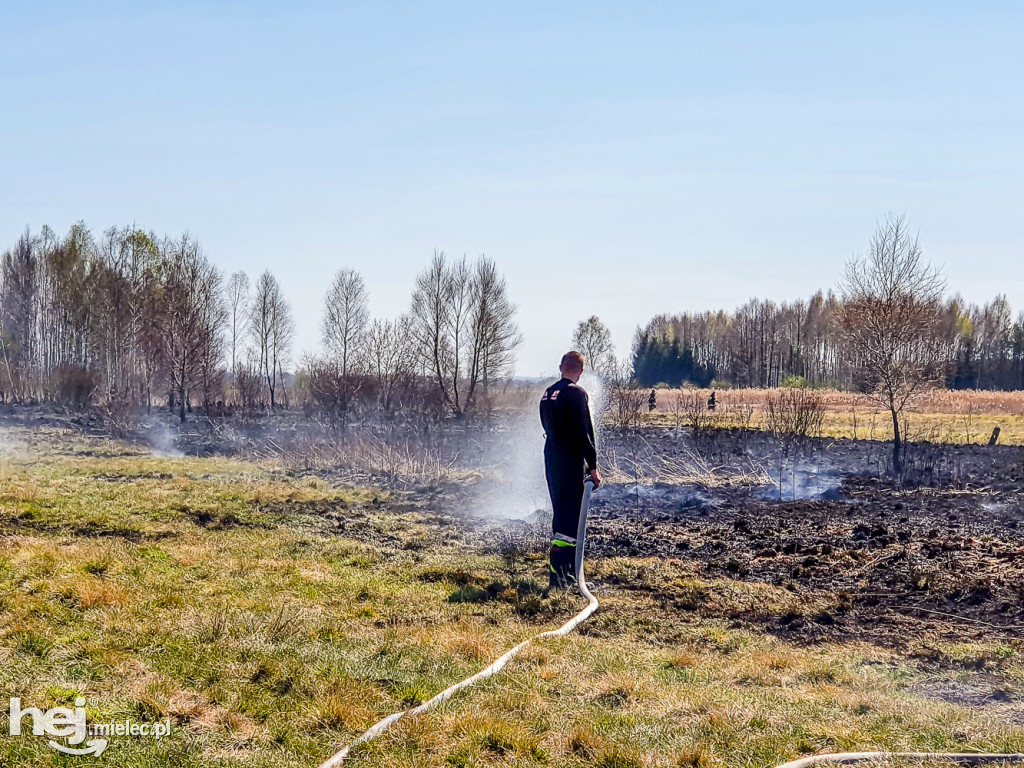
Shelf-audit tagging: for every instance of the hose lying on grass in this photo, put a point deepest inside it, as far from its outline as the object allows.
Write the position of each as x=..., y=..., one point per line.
x=378, y=728
x=961, y=758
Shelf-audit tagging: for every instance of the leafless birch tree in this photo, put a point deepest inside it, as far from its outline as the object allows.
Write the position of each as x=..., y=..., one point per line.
x=272, y=328
x=191, y=317
x=237, y=294
x=346, y=316
x=389, y=357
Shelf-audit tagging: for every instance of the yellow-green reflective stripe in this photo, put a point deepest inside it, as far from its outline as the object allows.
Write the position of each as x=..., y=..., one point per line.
x=560, y=543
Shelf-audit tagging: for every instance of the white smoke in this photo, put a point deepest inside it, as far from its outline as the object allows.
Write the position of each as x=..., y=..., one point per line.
x=8, y=448
x=801, y=479
x=162, y=441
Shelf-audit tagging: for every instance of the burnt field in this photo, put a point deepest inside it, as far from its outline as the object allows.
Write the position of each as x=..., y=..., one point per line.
x=940, y=550
x=935, y=553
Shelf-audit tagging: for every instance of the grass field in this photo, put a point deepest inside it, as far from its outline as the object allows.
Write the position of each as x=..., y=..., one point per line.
x=939, y=416
x=271, y=619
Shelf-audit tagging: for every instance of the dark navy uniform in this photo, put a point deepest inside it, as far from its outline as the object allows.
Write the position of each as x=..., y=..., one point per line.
x=570, y=454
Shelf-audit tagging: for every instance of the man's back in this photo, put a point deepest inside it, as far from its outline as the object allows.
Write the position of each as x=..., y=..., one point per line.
x=565, y=415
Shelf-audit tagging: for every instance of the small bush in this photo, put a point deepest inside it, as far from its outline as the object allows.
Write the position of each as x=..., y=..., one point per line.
x=795, y=413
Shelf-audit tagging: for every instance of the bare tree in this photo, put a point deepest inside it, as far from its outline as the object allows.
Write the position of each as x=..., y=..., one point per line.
x=627, y=401
x=795, y=414
x=890, y=322
x=494, y=334
x=593, y=340
x=127, y=272
x=191, y=318
x=19, y=288
x=249, y=380
x=272, y=328
x=343, y=330
x=389, y=357
x=346, y=316
x=429, y=322
x=691, y=408
x=464, y=327
x=237, y=293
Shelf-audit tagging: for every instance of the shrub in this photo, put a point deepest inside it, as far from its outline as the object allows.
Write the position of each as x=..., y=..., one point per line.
x=795, y=413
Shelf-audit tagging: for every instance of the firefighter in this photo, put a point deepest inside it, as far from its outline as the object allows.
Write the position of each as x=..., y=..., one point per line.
x=570, y=455
x=652, y=401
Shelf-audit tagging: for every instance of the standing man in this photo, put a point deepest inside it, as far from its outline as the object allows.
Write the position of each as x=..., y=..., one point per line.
x=570, y=454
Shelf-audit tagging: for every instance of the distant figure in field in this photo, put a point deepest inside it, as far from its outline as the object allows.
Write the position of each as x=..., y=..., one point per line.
x=712, y=402
x=570, y=454
x=652, y=401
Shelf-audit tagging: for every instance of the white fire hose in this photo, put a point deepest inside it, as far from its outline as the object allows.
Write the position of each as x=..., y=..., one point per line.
x=841, y=758
x=961, y=758
x=382, y=725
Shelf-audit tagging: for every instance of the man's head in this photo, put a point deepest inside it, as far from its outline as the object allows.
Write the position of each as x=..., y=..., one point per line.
x=572, y=366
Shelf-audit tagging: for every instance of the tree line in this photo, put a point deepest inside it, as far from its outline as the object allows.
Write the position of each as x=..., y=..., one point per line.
x=130, y=319
x=768, y=344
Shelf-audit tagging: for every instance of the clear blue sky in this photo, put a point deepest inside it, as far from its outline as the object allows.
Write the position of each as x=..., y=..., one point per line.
x=615, y=159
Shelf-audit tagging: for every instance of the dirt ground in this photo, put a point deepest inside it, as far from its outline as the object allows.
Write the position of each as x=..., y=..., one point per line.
x=937, y=553
x=880, y=559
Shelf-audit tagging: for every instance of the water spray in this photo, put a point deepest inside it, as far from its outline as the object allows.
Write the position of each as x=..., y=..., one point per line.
x=592, y=605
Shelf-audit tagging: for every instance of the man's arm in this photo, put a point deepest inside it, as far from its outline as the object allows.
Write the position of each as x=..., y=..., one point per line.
x=590, y=444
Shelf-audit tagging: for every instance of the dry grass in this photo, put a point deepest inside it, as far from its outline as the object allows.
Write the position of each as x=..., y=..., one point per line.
x=272, y=619
x=939, y=416
x=412, y=459
x=638, y=462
